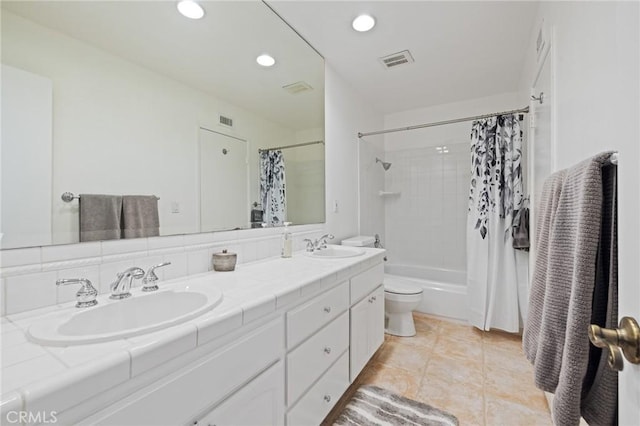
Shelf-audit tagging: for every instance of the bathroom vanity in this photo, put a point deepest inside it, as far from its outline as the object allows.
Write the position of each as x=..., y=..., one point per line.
x=282, y=346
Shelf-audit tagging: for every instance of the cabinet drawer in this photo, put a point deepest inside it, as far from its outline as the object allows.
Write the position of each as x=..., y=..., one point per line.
x=311, y=359
x=177, y=398
x=363, y=283
x=311, y=316
x=316, y=404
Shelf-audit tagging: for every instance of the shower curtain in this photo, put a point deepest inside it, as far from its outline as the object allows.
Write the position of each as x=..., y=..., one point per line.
x=496, y=272
x=272, y=187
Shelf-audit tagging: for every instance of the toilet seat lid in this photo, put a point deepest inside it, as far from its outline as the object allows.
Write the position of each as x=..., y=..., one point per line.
x=401, y=288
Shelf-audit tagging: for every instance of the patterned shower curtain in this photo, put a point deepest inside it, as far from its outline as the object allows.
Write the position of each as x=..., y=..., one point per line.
x=272, y=187
x=496, y=272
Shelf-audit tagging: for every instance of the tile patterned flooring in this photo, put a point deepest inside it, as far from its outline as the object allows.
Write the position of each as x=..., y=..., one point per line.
x=480, y=377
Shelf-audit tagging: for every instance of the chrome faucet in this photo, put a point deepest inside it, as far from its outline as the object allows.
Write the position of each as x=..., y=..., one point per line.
x=121, y=286
x=87, y=294
x=321, y=243
x=150, y=278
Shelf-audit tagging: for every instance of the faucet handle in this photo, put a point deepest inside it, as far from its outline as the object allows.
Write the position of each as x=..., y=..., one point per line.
x=150, y=278
x=310, y=244
x=87, y=294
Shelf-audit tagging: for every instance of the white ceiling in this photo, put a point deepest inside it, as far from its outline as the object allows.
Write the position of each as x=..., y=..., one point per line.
x=462, y=49
x=215, y=54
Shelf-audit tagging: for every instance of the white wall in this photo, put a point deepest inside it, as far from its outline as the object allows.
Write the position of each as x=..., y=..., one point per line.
x=119, y=128
x=426, y=223
x=597, y=103
x=594, y=75
x=346, y=114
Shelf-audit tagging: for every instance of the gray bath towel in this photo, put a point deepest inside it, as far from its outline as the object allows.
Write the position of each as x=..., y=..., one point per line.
x=100, y=217
x=600, y=386
x=546, y=213
x=556, y=332
x=140, y=216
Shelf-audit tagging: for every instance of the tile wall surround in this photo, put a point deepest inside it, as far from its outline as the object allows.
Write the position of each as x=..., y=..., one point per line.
x=426, y=223
x=28, y=275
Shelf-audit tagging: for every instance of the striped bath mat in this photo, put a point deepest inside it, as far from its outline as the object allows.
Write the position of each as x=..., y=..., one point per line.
x=371, y=405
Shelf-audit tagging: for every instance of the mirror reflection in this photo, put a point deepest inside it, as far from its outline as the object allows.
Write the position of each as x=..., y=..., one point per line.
x=160, y=124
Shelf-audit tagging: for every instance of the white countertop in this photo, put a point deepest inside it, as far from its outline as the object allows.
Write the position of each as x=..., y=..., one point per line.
x=39, y=377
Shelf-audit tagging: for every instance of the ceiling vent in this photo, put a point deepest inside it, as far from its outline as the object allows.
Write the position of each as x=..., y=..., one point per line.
x=396, y=59
x=298, y=87
x=225, y=121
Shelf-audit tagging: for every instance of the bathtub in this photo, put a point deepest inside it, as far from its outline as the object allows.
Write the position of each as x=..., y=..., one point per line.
x=444, y=291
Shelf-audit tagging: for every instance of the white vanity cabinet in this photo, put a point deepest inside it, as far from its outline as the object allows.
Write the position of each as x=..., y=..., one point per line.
x=367, y=330
x=179, y=397
x=366, y=318
x=261, y=402
x=290, y=369
x=319, y=379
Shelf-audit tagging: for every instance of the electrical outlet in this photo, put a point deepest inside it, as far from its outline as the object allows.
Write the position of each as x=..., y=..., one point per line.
x=335, y=206
x=175, y=207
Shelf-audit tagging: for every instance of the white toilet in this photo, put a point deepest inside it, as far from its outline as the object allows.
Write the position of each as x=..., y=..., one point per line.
x=400, y=297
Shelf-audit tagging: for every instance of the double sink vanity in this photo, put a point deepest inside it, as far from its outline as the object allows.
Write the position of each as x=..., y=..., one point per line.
x=273, y=342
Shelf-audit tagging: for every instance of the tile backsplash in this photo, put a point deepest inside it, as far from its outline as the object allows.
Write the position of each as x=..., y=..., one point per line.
x=28, y=275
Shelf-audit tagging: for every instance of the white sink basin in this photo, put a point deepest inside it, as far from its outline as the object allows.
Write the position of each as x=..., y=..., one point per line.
x=116, y=319
x=336, y=252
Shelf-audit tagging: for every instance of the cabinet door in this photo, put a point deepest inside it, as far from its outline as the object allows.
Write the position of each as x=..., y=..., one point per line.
x=375, y=321
x=358, y=344
x=261, y=402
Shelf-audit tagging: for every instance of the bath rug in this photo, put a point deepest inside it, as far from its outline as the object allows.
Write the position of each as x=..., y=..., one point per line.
x=371, y=405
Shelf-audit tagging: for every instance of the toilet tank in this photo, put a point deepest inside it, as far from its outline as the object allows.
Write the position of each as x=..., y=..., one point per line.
x=359, y=241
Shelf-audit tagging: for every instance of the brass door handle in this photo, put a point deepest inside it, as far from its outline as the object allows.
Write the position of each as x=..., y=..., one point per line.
x=623, y=340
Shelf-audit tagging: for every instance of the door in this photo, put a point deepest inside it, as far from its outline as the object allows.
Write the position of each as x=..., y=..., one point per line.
x=358, y=346
x=629, y=242
x=224, y=191
x=26, y=164
x=626, y=139
x=541, y=150
x=376, y=321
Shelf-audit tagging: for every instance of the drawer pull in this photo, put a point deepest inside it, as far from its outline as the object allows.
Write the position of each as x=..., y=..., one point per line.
x=327, y=309
x=374, y=297
x=327, y=350
x=327, y=398
x=371, y=300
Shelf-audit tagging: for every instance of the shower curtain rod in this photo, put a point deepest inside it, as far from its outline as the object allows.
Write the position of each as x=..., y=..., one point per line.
x=290, y=146
x=440, y=123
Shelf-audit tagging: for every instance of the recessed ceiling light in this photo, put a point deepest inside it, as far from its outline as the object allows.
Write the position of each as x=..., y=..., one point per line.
x=190, y=9
x=363, y=23
x=265, y=60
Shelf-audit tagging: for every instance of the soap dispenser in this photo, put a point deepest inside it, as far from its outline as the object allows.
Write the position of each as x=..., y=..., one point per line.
x=287, y=245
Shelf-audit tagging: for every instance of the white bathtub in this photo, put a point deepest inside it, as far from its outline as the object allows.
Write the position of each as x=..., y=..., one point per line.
x=444, y=291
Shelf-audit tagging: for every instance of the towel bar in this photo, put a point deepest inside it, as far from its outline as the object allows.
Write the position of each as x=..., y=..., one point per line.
x=68, y=197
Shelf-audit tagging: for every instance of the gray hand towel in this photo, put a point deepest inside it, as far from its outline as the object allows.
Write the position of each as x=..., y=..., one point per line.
x=521, y=230
x=100, y=217
x=140, y=216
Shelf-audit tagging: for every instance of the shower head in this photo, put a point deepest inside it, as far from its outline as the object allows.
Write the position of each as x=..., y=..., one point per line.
x=385, y=165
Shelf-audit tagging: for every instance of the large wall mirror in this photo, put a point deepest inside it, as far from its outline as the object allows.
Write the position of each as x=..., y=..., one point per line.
x=131, y=98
